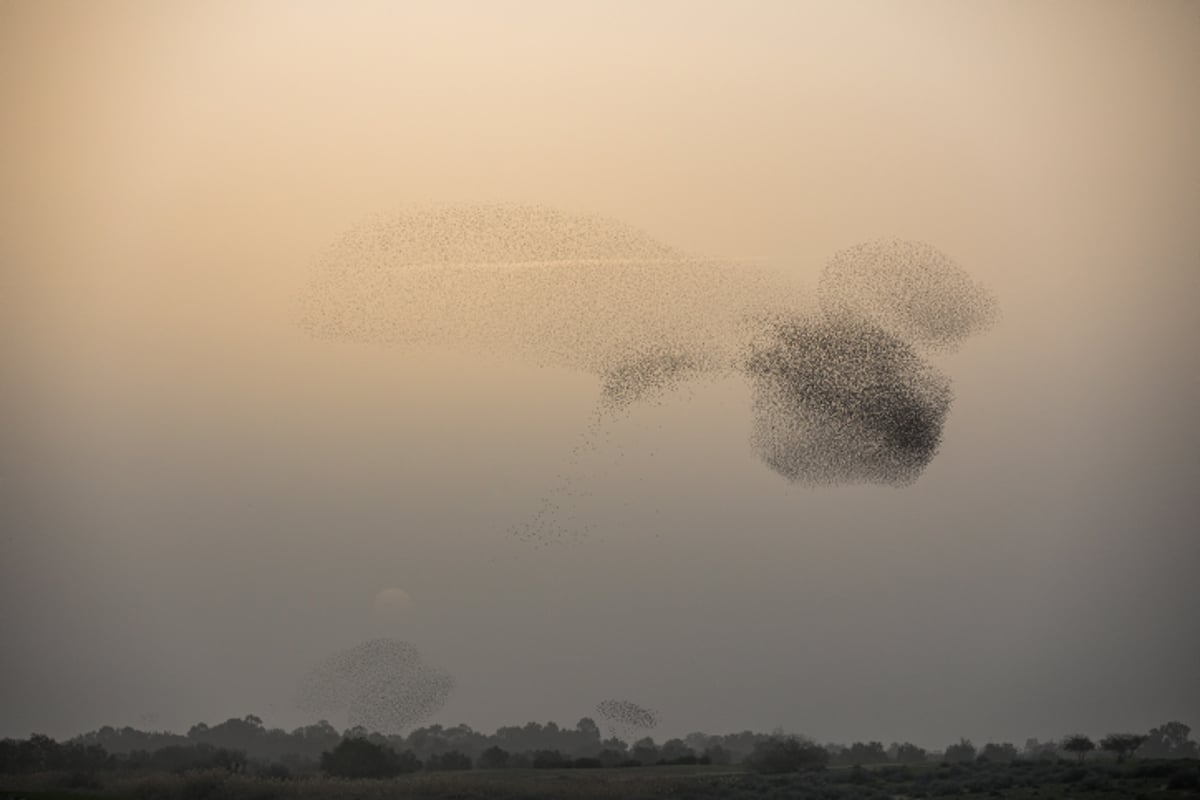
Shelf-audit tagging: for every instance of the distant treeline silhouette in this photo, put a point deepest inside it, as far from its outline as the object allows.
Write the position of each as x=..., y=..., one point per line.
x=237, y=745
x=247, y=745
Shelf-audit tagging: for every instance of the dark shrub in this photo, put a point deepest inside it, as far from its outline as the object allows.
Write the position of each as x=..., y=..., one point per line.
x=909, y=753
x=897, y=773
x=549, y=759
x=864, y=753
x=611, y=758
x=1184, y=779
x=717, y=754
x=1004, y=752
x=201, y=787
x=1154, y=769
x=681, y=760
x=447, y=762
x=645, y=751
x=494, y=758
x=228, y=760
x=359, y=758
x=82, y=780
x=788, y=754
x=1074, y=775
x=960, y=753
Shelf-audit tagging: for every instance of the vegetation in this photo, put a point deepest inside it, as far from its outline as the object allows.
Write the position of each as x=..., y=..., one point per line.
x=1122, y=744
x=787, y=754
x=1020, y=780
x=544, y=761
x=360, y=758
x=1078, y=744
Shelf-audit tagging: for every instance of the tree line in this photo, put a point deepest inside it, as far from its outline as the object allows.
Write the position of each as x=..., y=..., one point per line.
x=247, y=745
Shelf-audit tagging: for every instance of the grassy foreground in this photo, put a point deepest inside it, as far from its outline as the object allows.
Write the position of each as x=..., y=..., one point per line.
x=1141, y=780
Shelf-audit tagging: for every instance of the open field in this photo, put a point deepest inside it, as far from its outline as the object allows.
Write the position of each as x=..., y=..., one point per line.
x=1022, y=780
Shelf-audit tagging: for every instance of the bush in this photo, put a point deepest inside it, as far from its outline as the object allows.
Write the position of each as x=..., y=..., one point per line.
x=689, y=760
x=201, y=787
x=82, y=780
x=788, y=754
x=1000, y=753
x=611, y=758
x=359, y=758
x=1154, y=769
x=494, y=758
x=549, y=759
x=909, y=753
x=1184, y=779
x=717, y=754
x=960, y=753
x=446, y=762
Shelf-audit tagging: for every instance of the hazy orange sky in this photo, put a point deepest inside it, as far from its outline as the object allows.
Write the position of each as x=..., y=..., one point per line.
x=199, y=501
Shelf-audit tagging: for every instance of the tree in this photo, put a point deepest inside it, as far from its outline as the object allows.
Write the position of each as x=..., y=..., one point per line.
x=786, y=754
x=1122, y=744
x=312, y=740
x=1002, y=753
x=360, y=758
x=494, y=758
x=716, y=754
x=1170, y=741
x=960, y=753
x=1078, y=744
x=610, y=758
x=909, y=753
x=1042, y=751
x=229, y=760
x=865, y=753
x=675, y=750
x=616, y=745
x=588, y=728
x=644, y=750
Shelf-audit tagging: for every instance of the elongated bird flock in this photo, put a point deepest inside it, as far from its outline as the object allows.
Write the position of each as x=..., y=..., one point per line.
x=842, y=389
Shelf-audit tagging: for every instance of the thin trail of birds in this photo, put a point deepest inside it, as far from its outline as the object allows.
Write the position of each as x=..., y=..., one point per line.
x=842, y=389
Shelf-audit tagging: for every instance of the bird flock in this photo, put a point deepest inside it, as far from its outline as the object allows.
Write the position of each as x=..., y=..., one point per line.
x=624, y=719
x=381, y=684
x=843, y=390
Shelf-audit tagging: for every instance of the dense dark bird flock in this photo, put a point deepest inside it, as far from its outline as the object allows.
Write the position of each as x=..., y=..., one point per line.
x=382, y=685
x=842, y=391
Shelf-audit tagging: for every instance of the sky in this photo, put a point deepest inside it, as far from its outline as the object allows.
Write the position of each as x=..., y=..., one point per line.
x=200, y=501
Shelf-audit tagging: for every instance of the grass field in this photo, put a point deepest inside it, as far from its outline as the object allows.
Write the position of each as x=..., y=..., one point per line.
x=1157, y=780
